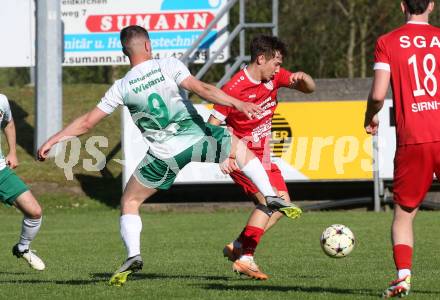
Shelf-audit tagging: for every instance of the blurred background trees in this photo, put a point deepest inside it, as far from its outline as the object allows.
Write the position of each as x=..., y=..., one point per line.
x=328, y=39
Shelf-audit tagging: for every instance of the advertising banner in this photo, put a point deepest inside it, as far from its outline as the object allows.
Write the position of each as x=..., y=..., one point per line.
x=310, y=141
x=386, y=141
x=18, y=33
x=327, y=140
x=92, y=28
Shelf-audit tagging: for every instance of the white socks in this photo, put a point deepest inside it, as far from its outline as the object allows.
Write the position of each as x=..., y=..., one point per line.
x=131, y=227
x=29, y=230
x=254, y=171
x=247, y=258
x=403, y=272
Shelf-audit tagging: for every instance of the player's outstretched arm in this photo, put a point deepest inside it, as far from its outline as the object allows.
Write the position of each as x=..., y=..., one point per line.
x=376, y=99
x=78, y=127
x=302, y=82
x=10, y=134
x=217, y=96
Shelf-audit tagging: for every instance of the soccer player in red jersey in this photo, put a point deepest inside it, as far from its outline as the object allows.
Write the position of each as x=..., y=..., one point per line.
x=258, y=83
x=409, y=57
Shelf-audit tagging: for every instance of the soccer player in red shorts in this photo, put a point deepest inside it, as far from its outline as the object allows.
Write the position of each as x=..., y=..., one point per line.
x=409, y=56
x=258, y=83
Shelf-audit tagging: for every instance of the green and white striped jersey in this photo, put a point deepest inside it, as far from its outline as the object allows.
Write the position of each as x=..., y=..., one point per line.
x=5, y=117
x=167, y=120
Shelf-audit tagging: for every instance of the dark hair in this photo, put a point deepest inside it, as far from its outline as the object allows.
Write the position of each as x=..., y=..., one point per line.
x=130, y=32
x=266, y=45
x=417, y=7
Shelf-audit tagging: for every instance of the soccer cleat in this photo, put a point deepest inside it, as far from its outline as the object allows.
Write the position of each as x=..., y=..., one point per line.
x=30, y=257
x=248, y=268
x=231, y=252
x=398, y=288
x=131, y=265
x=289, y=209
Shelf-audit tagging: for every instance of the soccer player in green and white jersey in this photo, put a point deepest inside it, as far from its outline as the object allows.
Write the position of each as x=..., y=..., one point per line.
x=14, y=192
x=153, y=93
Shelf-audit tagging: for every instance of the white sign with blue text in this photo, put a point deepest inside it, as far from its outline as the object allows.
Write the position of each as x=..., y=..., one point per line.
x=91, y=28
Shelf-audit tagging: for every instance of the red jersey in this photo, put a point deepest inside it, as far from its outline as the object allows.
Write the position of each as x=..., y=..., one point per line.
x=412, y=54
x=256, y=131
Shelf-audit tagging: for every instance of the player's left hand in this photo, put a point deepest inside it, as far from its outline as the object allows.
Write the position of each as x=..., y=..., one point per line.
x=372, y=126
x=296, y=77
x=229, y=166
x=11, y=160
x=251, y=110
x=43, y=152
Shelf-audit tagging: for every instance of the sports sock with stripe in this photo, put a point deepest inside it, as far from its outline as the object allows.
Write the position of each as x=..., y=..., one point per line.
x=29, y=230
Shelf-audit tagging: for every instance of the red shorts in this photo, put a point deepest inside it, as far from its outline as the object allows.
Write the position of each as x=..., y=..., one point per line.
x=275, y=177
x=414, y=167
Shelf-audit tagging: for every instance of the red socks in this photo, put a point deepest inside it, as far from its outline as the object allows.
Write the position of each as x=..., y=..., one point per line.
x=249, y=238
x=402, y=256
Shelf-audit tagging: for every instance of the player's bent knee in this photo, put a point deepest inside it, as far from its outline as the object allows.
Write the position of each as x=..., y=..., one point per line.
x=28, y=205
x=37, y=212
x=131, y=202
x=34, y=212
x=264, y=209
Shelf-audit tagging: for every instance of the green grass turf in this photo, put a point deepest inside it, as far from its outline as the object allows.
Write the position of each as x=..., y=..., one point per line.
x=182, y=253
x=47, y=178
x=77, y=100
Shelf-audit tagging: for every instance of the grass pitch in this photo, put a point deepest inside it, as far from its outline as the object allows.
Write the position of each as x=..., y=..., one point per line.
x=182, y=254
x=81, y=247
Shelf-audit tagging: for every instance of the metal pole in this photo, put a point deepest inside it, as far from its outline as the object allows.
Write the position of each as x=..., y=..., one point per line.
x=232, y=69
x=208, y=64
x=124, y=155
x=48, y=119
x=376, y=174
x=242, y=33
x=275, y=6
x=32, y=76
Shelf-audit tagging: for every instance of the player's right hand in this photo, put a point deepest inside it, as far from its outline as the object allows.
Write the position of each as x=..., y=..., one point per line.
x=229, y=166
x=43, y=152
x=251, y=110
x=372, y=126
x=11, y=160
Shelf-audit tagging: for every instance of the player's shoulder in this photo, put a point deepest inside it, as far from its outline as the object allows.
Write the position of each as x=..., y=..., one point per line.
x=238, y=77
x=395, y=33
x=408, y=29
x=119, y=83
x=434, y=30
x=282, y=73
x=284, y=70
x=236, y=82
x=119, y=87
x=169, y=59
x=168, y=62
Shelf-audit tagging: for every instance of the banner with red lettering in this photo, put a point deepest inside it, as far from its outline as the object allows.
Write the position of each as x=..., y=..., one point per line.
x=91, y=28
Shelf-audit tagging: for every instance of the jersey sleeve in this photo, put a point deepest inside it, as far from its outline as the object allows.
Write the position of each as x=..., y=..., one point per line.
x=176, y=69
x=5, y=108
x=112, y=98
x=381, y=57
x=283, y=78
x=221, y=112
